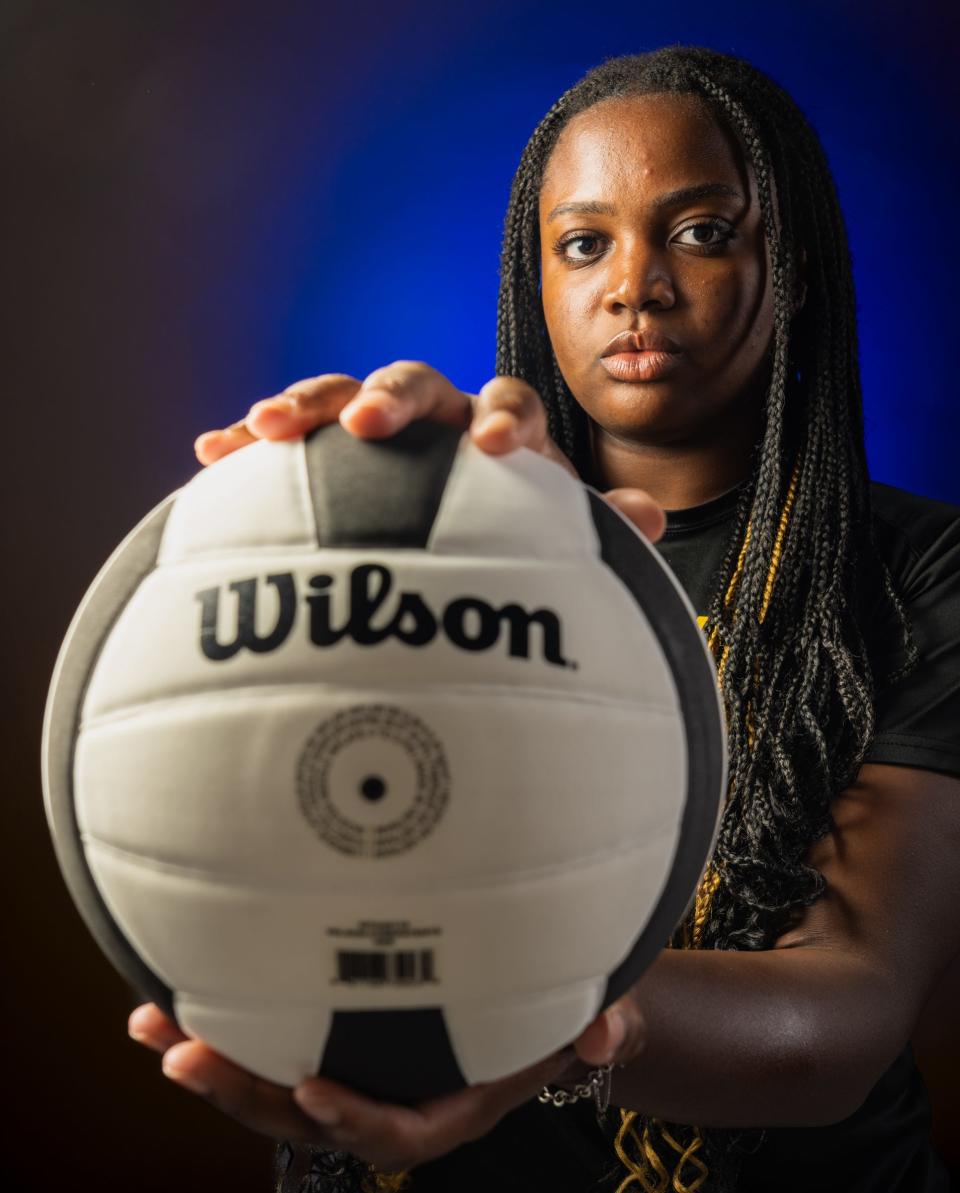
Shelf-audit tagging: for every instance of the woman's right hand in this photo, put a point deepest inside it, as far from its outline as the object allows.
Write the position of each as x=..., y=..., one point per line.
x=505, y=415
x=327, y=1114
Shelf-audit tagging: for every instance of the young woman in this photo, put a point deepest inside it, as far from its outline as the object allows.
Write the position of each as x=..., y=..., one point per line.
x=676, y=325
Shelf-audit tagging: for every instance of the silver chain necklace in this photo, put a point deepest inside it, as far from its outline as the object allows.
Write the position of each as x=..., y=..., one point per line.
x=596, y=1079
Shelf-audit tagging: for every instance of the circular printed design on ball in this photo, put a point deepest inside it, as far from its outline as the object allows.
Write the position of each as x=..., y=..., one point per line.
x=373, y=780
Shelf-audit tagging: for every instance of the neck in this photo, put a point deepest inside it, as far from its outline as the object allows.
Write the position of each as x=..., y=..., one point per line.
x=679, y=474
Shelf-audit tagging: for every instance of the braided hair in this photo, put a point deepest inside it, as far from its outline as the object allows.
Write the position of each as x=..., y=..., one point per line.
x=796, y=680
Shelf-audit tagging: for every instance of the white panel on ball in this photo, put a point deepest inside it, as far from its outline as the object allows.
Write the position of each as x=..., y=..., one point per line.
x=273, y=1039
x=153, y=650
x=255, y=500
x=187, y=785
x=530, y=511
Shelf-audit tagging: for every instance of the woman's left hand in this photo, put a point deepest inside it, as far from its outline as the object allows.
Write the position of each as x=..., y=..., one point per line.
x=392, y=1137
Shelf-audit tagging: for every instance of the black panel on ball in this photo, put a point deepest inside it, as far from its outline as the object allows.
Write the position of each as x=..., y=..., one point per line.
x=681, y=641
x=379, y=492
x=401, y=1056
x=105, y=601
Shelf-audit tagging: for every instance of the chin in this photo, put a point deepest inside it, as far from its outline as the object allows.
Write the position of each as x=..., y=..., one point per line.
x=645, y=413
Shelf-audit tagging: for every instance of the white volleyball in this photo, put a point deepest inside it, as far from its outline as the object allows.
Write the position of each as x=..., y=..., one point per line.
x=387, y=760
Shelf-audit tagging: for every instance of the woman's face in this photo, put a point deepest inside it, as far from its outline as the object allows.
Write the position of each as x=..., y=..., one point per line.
x=650, y=223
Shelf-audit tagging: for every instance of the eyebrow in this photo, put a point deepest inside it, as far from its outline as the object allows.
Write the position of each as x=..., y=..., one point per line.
x=686, y=194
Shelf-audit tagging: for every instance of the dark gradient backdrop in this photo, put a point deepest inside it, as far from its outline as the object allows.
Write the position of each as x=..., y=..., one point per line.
x=204, y=202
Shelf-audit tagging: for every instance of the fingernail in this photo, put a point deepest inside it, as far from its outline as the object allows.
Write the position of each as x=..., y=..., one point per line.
x=136, y=1021
x=618, y=1033
x=138, y=1028
x=142, y=1037
x=318, y=1108
x=188, y=1080
x=389, y=408
x=272, y=408
x=207, y=439
x=499, y=420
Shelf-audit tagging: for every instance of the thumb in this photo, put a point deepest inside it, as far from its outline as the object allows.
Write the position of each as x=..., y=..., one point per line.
x=615, y=1036
x=637, y=505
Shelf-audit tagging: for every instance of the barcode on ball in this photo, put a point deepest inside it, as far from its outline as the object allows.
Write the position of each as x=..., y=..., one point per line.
x=401, y=967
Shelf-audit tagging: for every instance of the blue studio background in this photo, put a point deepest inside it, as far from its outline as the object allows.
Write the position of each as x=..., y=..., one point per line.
x=343, y=179
x=209, y=201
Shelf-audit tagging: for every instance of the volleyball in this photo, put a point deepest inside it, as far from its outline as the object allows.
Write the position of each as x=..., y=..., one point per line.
x=390, y=761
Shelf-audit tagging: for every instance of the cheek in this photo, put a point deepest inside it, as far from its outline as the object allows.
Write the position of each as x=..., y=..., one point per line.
x=567, y=314
x=732, y=309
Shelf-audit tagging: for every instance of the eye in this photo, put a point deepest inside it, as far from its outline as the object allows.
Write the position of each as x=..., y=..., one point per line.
x=581, y=238
x=707, y=236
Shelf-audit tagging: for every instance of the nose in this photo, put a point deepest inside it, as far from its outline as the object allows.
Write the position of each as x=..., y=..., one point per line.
x=638, y=279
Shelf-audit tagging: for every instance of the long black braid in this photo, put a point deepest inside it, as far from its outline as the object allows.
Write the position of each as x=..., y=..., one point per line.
x=797, y=683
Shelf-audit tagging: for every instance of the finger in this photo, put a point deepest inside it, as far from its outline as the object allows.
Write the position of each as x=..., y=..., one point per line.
x=392, y=1137
x=214, y=445
x=399, y=1137
x=393, y=396
x=616, y=1035
x=641, y=509
x=304, y=405
x=149, y=1026
x=253, y=1101
x=509, y=414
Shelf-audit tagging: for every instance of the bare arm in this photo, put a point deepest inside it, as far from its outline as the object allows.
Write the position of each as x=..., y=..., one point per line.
x=798, y=1035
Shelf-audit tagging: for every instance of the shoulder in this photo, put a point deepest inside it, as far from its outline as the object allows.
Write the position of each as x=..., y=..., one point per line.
x=917, y=707
x=918, y=537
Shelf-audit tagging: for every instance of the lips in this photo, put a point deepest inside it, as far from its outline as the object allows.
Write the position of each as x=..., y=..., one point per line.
x=639, y=341
x=640, y=356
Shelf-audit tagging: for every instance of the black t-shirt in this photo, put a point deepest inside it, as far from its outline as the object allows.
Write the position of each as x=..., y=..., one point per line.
x=884, y=1146
x=918, y=719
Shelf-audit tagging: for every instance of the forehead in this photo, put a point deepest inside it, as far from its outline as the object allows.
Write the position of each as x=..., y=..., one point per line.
x=644, y=144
